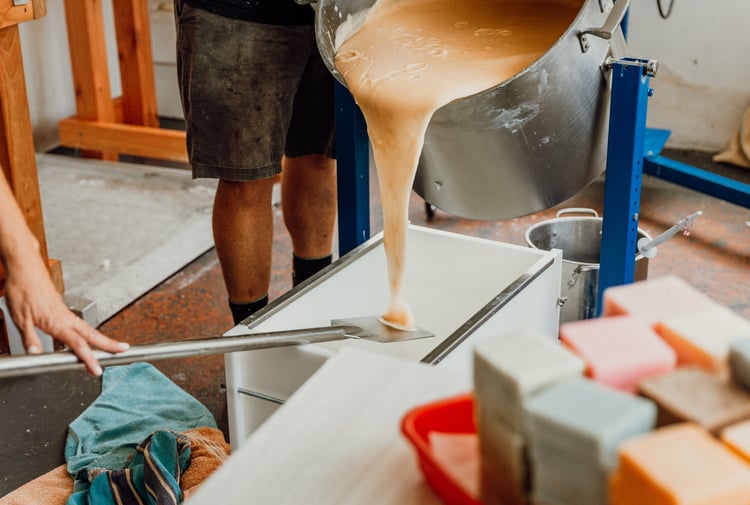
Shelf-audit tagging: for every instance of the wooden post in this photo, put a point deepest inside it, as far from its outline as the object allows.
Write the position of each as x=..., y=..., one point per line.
x=132, y=26
x=17, y=153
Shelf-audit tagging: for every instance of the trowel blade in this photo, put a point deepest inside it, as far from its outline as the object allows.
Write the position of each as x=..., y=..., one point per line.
x=374, y=329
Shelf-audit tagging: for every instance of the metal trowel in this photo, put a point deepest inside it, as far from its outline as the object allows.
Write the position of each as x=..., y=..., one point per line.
x=369, y=328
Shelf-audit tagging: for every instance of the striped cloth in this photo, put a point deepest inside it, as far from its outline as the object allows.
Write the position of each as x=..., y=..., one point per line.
x=152, y=476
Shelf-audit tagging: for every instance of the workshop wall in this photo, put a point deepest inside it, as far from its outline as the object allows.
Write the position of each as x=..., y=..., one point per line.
x=702, y=88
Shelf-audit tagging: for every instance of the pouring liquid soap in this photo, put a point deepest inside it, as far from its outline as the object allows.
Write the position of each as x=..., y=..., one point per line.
x=403, y=60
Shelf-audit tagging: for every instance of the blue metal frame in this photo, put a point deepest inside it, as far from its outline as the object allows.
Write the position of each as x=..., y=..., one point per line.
x=622, y=188
x=688, y=176
x=353, y=176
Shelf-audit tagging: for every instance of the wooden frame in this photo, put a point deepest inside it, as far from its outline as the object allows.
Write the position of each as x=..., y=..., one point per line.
x=17, y=154
x=102, y=126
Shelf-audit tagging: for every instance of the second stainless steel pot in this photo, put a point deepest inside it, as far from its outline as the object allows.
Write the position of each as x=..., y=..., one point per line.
x=526, y=144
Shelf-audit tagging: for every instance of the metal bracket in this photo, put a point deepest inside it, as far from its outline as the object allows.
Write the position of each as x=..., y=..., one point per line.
x=615, y=17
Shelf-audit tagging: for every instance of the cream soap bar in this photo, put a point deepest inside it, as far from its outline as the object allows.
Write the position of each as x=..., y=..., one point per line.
x=586, y=420
x=692, y=394
x=514, y=365
x=654, y=300
x=679, y=464
x=703, y=337
x=619, y=351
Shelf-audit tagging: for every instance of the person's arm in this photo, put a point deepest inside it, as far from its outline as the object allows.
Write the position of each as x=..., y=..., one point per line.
x=31, y=296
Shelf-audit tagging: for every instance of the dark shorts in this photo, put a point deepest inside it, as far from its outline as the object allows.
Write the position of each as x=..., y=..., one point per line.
x=250, y=93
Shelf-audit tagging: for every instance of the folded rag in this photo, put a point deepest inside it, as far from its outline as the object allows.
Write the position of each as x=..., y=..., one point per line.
x=738, y=150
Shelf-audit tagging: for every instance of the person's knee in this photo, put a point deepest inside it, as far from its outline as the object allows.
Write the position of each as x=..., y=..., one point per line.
x=246, y=193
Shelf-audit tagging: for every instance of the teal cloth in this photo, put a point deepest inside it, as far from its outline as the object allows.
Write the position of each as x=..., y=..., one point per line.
x=152, y=477
x=136, y=400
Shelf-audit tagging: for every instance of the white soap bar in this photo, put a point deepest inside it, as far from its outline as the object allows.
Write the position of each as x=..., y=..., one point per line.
x=503, y=463
x=514, y=365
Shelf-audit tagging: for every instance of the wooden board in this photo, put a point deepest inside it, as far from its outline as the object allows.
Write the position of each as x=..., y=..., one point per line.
x=337, y=439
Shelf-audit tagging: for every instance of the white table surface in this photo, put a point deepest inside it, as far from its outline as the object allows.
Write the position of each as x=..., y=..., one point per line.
x=337, y=440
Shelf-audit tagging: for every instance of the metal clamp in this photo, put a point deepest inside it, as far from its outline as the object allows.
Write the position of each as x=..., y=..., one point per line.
x=650, y=67
x=616, y=15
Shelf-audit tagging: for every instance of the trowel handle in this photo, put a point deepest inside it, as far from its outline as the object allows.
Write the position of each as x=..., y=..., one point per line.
x=28, y=364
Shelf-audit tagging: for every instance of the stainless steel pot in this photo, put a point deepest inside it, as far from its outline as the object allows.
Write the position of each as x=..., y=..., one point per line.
x=579, y=237
x=526, y=144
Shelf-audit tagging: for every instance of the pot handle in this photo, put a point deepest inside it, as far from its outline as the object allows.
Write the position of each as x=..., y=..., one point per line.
x=605, y=31
x=577, y=210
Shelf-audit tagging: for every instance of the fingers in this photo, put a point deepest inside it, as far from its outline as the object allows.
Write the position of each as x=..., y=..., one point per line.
x=87, y=337
x=31, y=341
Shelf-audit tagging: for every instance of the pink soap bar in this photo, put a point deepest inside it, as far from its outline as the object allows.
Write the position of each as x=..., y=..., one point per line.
x=654, y=300
x=619, y=351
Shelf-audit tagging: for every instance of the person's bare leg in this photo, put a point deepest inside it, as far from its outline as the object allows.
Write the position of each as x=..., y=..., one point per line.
x=308, y=202
x=243, y=235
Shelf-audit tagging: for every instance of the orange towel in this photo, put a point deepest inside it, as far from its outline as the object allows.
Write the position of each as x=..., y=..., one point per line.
x=738, y=150
x=208, y=450
x=52, y=488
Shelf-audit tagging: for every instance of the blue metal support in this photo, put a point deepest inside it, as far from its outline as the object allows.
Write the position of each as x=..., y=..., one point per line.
x=622, y=188
x=353, y=175
x=689, y=176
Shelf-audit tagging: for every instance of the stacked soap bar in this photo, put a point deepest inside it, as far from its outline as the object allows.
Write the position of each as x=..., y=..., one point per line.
x=693, y=394
x=704, y=337
x=679, y=464
x=574, y=430
x=655, y=300
x=507, y=371
x=698, y=329
x=619, y=351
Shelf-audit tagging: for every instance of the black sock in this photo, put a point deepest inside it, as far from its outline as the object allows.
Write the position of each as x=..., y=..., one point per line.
x=241, y=311
x=303, y=268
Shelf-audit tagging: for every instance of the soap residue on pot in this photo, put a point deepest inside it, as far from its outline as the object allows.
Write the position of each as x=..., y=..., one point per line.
x=403, y=60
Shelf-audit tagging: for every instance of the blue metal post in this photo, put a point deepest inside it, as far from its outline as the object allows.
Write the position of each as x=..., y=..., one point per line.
x=622, y=189
x=353, y=179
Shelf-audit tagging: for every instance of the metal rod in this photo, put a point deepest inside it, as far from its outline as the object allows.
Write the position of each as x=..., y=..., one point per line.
x=681, y=226
x=18, y=366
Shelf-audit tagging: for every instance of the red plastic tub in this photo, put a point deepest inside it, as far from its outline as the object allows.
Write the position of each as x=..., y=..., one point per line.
x=451, y=415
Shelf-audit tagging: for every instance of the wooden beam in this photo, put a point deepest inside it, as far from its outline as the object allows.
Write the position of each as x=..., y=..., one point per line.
x=11, y=15
x=88, y=57
x=143, y=141
x=136, y=62
x=17, y=154
x=40, y=8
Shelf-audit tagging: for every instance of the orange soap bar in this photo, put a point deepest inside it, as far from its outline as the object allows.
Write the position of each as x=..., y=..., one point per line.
x=619, y=351
x=737, y=438
x=679, y=465
x=654, y=300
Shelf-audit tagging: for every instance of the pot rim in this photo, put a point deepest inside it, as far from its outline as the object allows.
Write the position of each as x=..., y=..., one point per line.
x=641, y=232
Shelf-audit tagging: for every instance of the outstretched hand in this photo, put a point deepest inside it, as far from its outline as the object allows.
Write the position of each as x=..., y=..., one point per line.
x=34, y=303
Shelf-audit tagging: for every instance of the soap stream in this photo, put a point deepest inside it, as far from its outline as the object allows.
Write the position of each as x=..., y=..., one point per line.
x=408, y=59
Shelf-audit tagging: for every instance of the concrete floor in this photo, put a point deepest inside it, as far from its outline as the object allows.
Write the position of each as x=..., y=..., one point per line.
x=714, y=258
